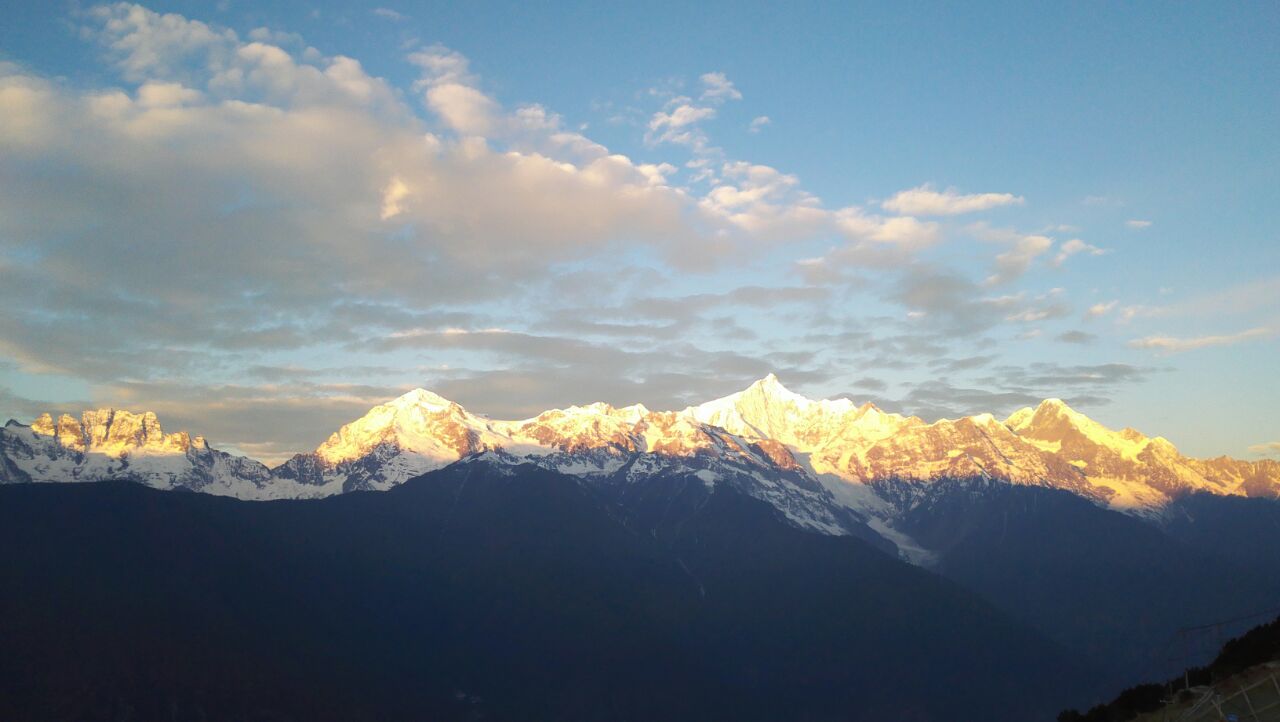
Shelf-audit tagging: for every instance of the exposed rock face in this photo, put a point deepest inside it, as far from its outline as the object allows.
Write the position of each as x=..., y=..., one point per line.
x=114, y=444
x=1130, y=470
x=1256, y=479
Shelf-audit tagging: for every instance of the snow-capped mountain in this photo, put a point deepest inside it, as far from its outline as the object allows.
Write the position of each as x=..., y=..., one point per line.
x=1050, y=445
x=863, y=444
x=828, y=465
x=111, y=444
x=394, y=442
x=421, y=431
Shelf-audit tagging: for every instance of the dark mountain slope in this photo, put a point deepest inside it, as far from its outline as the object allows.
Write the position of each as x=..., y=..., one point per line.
x=847, y=628
x=483, y=592
x=1107, y=585
x=1256, y=648
x=1247, y=531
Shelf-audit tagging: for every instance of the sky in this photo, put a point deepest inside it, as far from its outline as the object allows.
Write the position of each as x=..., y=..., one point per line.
x=260, y=219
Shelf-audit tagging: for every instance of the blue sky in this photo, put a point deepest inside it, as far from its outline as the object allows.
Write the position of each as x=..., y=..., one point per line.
x=261, y=218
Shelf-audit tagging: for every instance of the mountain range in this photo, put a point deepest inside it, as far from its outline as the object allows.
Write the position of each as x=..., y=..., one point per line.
x=762, y=555
x=830, y=466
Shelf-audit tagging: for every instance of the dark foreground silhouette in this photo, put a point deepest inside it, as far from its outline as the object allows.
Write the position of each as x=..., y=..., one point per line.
x=478, y=592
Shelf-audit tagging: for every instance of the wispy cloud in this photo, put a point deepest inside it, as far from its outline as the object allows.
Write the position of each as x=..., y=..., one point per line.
x=1074, y=246
x=678, y=125
x=758, y=123
x=1260, y=294
x=924, y=200
x=1100, y=309
x=1172, y=344
x=1138, y=224
x=1023, y=249
x=717, y=88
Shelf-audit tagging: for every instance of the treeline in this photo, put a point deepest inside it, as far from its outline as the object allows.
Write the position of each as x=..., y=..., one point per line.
x=1257, y=646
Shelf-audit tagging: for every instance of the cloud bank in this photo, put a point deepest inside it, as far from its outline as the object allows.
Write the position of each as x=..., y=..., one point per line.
x=239, y=226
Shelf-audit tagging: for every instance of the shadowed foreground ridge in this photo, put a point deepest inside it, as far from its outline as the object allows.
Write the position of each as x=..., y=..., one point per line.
x=486, y=592
x=1247, y=664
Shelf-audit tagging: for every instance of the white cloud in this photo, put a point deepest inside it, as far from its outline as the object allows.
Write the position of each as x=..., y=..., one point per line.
x=463, y=108
x=1074, y=246
x=1128, y=313
x=151, y=46
x=389, y=14
x=395, y=192
x=1271, y=448
x=902, y=231
x=771, y=205
x=758, y=124
x=682, y=116
x=305, y=158
x=1171, y=344
x=441, y=65
x=239, y=197
x=1022, y=251
x=1137, y=224
x=1029, y=315
x=925, y=201
x=310, y=156
x=167, y=95
x=717, y=88
x=1100, y=309
x=677, y=125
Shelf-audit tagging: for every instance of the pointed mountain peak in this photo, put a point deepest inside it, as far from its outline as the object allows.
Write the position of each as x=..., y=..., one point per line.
x=421, y=398
x=767, y=409
x=1057, y=410
x=419, y=421
x=771, y=388
x=1078, y=436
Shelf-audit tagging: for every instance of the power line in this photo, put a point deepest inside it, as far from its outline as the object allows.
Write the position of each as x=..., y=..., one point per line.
x=1263, y=613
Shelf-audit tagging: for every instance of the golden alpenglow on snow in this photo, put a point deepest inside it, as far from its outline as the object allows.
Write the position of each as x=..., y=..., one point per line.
x=639, y=362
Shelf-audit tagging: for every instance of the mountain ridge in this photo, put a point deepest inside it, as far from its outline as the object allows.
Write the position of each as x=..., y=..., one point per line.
x=494, y=591
x=829, y=465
